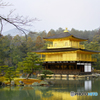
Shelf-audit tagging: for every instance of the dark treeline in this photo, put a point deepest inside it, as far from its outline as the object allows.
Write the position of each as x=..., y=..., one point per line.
x=14, y=49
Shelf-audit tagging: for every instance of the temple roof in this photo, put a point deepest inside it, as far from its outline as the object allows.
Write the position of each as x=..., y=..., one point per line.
x=63, y=35
x=65, y=49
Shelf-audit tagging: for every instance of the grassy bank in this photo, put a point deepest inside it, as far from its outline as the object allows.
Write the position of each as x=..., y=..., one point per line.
x=17, y=81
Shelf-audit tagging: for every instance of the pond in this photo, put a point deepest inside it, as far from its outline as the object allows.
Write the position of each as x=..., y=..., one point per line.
x=59, y=91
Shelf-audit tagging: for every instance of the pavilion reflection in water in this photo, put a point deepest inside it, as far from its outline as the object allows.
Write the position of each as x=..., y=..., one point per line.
x=61, y=90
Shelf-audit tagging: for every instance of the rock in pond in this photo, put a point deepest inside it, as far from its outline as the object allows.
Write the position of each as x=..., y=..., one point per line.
x=35, y=83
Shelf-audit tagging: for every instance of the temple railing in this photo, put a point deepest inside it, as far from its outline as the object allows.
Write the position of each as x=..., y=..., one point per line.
x=77, y=59
x=51, y=46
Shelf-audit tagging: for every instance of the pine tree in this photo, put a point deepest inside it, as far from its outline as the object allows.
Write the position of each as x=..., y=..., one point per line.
x=30, y=64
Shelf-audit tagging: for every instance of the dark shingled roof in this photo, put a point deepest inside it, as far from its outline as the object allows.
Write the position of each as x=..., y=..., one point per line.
x=65, y=49
x=63, y=35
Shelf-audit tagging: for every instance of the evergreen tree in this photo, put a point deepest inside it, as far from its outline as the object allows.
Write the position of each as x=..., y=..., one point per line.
x=9, y=72
x=30, y=64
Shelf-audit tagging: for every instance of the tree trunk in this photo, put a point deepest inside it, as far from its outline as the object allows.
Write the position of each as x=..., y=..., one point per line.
x=10, y=82
x=28, y=76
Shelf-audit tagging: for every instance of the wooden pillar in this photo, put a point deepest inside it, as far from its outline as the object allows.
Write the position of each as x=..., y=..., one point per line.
x=54, y=76
x=61, y=76
x=76, y=66
x=46, y=67
x=67, y=76
x=62, y=71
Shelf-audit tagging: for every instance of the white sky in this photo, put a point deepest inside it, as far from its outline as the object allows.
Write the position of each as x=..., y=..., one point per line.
x=78, y=14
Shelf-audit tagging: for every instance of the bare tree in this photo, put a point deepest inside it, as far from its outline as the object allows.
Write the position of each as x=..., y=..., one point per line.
x=17, y=21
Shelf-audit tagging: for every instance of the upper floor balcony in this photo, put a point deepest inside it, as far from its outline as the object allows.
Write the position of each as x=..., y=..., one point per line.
x=51, y=46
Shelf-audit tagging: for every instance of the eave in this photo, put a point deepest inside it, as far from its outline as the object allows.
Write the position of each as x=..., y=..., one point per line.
x=61, y=50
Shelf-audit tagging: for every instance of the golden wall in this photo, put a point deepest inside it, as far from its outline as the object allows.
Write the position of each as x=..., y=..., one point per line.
x=68, y=56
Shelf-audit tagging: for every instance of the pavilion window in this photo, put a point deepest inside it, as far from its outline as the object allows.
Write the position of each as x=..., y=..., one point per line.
x=66, y=43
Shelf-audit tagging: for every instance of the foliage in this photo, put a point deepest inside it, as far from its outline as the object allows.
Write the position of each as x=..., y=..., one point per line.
x=4, y=50
x=30, y=64
x=46, y=44
x=96, y=47
x=9, y=72
x=45, y=73
x=3, y=69
x=39, y=42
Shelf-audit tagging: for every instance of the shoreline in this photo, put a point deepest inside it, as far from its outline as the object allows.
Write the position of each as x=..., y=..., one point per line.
x=30, y=81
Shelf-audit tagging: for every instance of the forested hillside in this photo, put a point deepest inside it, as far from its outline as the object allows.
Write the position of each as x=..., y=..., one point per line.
x=14, y=49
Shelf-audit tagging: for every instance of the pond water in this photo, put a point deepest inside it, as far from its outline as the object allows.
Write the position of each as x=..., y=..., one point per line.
x=59, y=91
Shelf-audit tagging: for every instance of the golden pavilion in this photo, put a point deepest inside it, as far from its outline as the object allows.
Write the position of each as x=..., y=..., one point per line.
x=66, y=55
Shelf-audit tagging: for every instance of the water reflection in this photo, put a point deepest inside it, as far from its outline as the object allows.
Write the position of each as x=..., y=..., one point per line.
x=88, y=85
x=59, y=91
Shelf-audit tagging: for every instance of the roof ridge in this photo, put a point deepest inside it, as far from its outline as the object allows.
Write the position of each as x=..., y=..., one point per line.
x=63, y=35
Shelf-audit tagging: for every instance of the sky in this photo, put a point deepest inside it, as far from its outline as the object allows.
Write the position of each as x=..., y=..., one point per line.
x=53, y=14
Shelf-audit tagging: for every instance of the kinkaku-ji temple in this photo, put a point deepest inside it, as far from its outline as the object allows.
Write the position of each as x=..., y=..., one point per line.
x=66, y=55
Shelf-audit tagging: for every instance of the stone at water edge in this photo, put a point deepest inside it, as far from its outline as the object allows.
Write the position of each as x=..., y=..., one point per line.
x=35, y=83
x=44, y=83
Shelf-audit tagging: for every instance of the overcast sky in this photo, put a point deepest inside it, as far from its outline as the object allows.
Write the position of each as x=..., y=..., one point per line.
x=78, y=14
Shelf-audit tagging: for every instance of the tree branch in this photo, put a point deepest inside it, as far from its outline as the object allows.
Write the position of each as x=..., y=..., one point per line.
x=17, y=21
x=3, y=4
